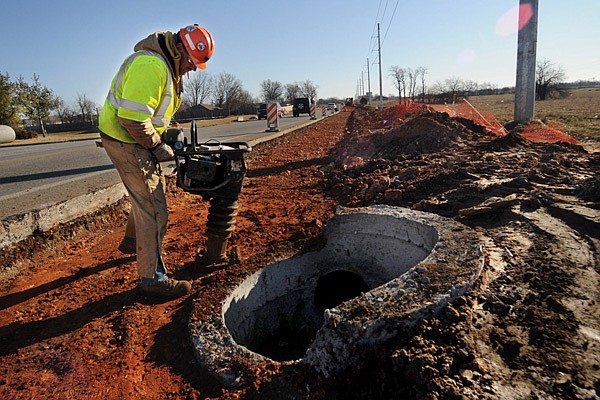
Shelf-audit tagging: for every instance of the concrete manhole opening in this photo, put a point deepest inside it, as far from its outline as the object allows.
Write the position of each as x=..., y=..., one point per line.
x=381, y=270
x=278, y=311
x=336, y=287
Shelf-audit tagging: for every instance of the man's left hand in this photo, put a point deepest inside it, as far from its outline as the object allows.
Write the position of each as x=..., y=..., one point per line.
x=163, y=152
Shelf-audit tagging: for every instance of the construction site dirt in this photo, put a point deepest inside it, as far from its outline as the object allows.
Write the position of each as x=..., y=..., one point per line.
x=73, y=325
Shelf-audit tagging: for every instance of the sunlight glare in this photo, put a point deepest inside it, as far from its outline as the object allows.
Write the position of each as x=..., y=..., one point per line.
x=514, y=20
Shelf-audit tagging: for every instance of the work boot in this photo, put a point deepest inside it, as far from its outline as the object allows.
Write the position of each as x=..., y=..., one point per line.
x=206, y=264
x=169, y=289
x=127, y=245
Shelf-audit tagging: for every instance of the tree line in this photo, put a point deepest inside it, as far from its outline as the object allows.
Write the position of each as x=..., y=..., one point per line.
x=20, y=100
x=227, y=92
x=33, y=102
x=411, y=84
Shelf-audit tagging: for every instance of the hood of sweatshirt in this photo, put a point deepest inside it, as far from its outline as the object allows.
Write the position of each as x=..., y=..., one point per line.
x=163, y=43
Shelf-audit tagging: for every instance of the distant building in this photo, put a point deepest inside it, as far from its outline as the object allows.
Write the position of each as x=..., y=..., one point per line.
x=200, y=111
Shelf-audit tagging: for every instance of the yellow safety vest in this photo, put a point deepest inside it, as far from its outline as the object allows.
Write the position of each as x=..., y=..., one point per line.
x=142, y=89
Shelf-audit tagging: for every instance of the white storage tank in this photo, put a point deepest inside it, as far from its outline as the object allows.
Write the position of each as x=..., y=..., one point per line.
x=7, y=134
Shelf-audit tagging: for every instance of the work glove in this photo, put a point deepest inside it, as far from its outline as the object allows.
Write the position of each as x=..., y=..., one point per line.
x=163, y=152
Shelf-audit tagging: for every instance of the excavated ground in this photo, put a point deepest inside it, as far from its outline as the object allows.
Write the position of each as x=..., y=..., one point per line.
x=72, y=325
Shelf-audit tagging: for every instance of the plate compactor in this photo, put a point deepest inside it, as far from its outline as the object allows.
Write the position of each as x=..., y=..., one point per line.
x=215, y=171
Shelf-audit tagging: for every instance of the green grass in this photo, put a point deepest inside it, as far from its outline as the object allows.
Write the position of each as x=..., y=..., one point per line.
x=578, y=114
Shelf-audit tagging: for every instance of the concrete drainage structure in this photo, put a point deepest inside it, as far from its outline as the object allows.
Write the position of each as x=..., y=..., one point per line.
x=381, y=271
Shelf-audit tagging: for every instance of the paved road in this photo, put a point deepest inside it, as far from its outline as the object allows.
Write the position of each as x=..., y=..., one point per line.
x=32, y=177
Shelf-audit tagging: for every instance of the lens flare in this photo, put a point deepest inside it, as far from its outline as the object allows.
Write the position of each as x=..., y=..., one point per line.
x=467, y=56
x=514, y=20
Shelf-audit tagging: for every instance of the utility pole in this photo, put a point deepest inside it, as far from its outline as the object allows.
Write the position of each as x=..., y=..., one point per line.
x=369, y=82
x=362, y=77
x=380, y=78
x=526, y=54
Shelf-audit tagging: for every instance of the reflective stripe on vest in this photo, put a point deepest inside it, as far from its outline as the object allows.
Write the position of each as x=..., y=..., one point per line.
x=157, y=119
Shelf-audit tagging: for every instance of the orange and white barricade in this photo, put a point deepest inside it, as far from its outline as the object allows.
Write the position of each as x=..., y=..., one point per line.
x=272, y=119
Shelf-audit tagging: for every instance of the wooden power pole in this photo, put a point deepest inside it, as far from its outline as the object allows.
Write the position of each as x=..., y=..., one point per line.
x=526, y=53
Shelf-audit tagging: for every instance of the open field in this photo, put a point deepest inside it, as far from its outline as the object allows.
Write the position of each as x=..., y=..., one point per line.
x=578, y=114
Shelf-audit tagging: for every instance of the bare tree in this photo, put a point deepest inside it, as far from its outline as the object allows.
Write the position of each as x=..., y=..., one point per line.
x=308, y=89
x=60, y=108
x=421, y=72
x=292, y=91
x=85, y=106
x=197, y=89
x=66, y=113
x=470, y=87
x=548, y=80
x=227, y=91
x=271, y=90
x=244, y=103
x=454, y=85
x=412, y=82
x=399, y=76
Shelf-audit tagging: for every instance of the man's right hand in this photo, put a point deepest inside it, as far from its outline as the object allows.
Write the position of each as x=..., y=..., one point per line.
x=163, y=152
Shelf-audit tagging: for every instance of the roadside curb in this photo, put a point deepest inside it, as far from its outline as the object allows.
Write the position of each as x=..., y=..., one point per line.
x=12, y=144
x=19, y=227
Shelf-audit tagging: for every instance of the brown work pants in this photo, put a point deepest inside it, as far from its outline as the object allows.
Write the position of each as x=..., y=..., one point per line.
x=145, y=183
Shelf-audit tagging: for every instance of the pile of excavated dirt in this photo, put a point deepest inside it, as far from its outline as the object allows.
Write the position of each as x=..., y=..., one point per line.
x=72, y=324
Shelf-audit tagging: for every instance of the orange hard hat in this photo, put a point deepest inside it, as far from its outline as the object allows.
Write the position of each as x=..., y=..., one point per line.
x=198, y=43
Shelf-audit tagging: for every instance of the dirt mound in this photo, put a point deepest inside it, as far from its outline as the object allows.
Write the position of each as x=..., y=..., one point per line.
x=589, y=189
x=423, y=134
x=511, y=141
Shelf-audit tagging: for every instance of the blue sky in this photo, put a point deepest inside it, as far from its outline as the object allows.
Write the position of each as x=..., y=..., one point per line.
x=77, y=46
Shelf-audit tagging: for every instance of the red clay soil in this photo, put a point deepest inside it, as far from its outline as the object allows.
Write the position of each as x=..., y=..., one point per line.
x=73, y=326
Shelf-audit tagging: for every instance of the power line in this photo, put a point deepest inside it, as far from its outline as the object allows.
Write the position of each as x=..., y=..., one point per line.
x=379, y=41
x=373, y=34
x=391, y=19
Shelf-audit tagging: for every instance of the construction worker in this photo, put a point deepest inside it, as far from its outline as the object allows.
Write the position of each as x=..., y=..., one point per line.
x=143, y=97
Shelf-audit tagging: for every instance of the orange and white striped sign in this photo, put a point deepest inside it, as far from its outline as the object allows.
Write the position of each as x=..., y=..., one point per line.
x=313, y=111
x=272, y=120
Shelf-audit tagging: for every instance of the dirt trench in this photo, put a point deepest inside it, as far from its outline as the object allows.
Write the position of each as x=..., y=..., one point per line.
x=72, y=324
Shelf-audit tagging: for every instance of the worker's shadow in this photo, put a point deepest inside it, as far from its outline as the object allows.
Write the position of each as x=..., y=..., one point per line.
x=16, y=298
x=17, y=335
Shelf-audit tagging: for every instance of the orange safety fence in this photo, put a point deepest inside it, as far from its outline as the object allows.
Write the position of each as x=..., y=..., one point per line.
x=464, y=109
x=537, y=131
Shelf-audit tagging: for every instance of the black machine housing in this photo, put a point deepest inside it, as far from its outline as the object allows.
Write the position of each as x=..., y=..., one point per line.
x=207, y=168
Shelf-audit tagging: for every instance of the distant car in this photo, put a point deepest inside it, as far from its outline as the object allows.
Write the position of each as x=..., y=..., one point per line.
x=301, y=106
x=332, y=106
x=262, y=111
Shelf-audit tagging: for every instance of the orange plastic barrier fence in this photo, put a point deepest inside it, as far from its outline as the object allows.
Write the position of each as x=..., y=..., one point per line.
x=464, y=109
x=537, y=131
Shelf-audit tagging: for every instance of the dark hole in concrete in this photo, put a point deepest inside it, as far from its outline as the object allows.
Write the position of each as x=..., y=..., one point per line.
x=293, y=330
x=285, y=342
x=337, y=287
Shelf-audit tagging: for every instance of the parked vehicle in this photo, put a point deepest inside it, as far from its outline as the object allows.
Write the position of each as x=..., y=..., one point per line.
x=332, y=106
x=262, y=111
x=301, y=106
